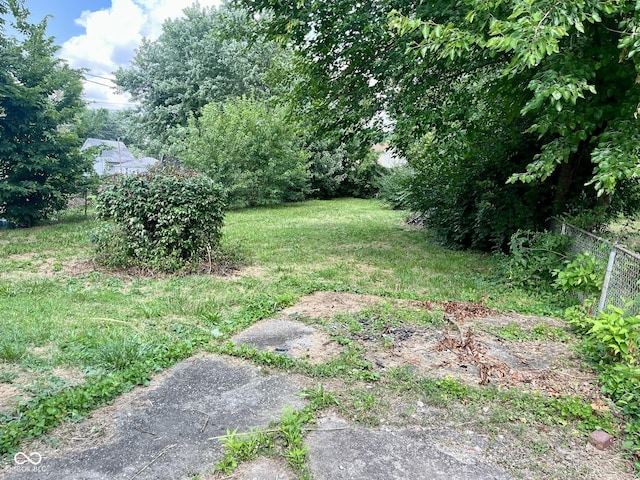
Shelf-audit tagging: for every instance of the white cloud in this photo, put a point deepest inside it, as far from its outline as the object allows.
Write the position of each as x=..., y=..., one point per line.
x=111, y=38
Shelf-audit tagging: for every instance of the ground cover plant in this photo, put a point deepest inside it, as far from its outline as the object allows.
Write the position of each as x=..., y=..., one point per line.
x=76, y=335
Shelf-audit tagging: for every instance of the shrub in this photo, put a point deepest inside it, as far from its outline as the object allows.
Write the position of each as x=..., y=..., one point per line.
x=583, y=275
x=394, y=189
x=535, y=256
x=617, y=333
x=252, y=148
x=166, y=219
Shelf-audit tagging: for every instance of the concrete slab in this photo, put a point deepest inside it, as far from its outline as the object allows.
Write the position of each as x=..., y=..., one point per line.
x=289, y=337
x=259, y=469
x=164, y=433
x=340, y=451
x=276, y=334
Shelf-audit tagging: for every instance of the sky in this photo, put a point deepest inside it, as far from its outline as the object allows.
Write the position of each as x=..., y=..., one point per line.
x=102, y=35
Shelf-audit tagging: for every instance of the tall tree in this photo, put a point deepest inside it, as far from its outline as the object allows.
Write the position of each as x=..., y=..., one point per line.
x=580, y=63
x=540, y=87
x=40, y=162
x=206, y=56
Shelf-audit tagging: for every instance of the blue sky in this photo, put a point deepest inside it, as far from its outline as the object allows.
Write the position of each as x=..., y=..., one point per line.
x=103, y=35
x=62, y=25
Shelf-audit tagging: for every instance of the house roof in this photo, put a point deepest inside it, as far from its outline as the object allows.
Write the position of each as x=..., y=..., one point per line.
x=113, y=152
x=115, y=157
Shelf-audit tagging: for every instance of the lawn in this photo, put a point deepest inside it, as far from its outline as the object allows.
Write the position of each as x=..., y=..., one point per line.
x=75, y=336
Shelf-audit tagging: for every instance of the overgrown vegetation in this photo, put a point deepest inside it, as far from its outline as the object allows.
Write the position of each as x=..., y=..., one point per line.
x=610, y=341
x=60, y=312
x=609, y=337
x=584, y=275
x=250, y=147
x=167, y=219
x=536, y=257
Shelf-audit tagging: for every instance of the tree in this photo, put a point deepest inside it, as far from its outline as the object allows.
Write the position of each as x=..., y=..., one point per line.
x=40, y=162
x=206, y=56
x=494, y=89
x=105, y=124
x=579, y=60
x=250, y=147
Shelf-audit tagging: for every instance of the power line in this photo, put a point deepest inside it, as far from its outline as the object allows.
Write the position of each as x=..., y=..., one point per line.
x=98, y=83
x=98, y=76
x=110, y=103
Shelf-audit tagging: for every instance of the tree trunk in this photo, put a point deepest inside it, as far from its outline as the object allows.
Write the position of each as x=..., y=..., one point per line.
x=564, y=183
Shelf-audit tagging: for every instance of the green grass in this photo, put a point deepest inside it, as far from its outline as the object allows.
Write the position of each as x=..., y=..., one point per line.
x=58, y=312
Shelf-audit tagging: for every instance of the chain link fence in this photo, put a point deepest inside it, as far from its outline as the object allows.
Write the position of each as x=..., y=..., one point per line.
x=622, y=278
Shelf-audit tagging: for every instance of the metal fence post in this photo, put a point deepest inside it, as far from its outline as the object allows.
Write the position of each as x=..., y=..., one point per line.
x=607, y=279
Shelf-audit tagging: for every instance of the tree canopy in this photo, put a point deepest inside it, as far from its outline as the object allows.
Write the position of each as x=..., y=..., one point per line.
x=206, y=56
x=476, y=94
x=251, y=148
x=578, y=64
x=40, y=163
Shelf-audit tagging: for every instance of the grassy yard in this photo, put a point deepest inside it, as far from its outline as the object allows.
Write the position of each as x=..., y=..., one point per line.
x=74, y=336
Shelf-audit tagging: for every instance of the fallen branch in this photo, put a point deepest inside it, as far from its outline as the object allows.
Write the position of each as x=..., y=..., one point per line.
x=164, y=450
x=206, y=419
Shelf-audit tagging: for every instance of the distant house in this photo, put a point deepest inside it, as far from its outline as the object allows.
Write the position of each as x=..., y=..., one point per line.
x=115, y=157
x=387, y=157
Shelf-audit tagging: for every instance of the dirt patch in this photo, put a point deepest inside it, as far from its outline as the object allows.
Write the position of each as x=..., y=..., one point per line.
x=72, y=376
x=479, y=359
x=253, y=271
x=79, y=267
x=42, y=266
x=458, y=311
x=323, y=305
x=23, y=382
x=461, y=349
x=8, y=396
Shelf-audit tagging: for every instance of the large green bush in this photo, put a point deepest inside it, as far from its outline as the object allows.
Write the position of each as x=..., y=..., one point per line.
x=252, y=148
x=459, y=185
x=166, y=219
